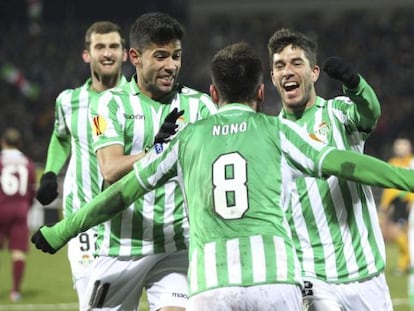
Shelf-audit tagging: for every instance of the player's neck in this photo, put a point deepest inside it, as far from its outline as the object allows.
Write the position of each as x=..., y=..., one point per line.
x=100, y=84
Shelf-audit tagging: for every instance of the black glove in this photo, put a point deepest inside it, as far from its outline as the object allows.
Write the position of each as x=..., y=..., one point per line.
x=339, y=69
x=40, y=242
x=169, y=127
x=47, y=191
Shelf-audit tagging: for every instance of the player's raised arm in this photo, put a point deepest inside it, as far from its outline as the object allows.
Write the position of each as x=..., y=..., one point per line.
x=367, y=110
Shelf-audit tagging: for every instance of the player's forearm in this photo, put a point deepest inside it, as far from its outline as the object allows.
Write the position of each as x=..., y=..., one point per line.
x=115, y=165
x=368, y=106
x=103, y=207
x=57, y=154
x=367, y=170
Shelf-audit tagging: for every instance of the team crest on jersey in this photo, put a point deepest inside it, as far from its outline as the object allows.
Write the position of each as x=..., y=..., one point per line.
x=86, y=259
x=180, y=122
x=99, y=125
x=321, y=132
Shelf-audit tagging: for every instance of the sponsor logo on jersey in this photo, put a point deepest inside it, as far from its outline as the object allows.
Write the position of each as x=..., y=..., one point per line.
x=134, y=116
x=179, y=295
x=99, y=125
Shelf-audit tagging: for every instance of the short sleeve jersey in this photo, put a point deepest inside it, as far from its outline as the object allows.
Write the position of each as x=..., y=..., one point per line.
x=156, y=223
x=82, y=179
x=232, y=167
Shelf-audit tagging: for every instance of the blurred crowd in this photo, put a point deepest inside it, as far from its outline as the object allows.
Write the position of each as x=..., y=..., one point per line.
x=38, y=61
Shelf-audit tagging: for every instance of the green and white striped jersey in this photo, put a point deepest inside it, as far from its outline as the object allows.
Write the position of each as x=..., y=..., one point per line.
x=334, y=222
x=72, y=139
x=235, y=169
x=157, y=222
x=233, y=166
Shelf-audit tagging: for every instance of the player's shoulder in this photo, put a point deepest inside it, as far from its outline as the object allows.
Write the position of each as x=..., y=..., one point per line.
x=118, y=91
x=192, y=96
x=341, y=101
x=65, y=93
x=70, y=93
x=198, y=126
x=190, y=92
x=267, y=118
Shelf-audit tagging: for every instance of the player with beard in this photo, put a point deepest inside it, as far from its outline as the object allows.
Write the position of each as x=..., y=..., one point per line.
x=234, y=167
x=146, y=245
x=71, y=140
x=334, y=222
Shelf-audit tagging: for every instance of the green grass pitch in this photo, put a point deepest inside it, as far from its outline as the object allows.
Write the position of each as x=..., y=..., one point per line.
x=48, y=285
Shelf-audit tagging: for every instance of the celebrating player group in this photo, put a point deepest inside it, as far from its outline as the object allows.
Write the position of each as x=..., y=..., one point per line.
x=204, y=201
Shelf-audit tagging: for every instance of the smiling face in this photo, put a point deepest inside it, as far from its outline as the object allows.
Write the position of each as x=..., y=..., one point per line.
x=294, y=78
x=157, y=67
x=105, y=56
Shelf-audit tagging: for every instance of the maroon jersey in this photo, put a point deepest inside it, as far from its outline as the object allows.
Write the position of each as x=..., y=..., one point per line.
x=17, y=180
x=17, y=191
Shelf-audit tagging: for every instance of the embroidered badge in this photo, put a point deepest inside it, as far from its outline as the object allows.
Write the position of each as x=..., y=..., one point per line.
x=99, y=125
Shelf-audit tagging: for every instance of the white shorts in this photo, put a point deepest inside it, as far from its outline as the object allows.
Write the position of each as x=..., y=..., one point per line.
x=80, y=255
x=368, y=295
x=117, y=283
x=271, y=297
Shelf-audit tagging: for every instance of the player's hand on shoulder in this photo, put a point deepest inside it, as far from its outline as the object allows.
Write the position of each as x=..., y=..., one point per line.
x=342, y=70
x=39, y=240
x=47, y=191
x=169, y=127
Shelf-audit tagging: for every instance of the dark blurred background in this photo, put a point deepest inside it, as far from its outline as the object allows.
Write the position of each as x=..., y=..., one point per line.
x=42, y=41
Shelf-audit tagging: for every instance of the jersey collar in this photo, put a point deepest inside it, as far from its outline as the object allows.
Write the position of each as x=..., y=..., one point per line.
x=166, y=99
x=88, y=83
x=320, y=102
x=235, y=106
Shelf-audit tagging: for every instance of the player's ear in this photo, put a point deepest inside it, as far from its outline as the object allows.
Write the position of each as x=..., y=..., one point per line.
x=259, y=98
x=85, y=56
x=315, y=73
x=124, y=55
x=260, y=93
x=134, y=57
x=214, y=94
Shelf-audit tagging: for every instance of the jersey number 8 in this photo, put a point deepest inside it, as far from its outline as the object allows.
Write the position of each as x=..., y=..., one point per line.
x=230, y=193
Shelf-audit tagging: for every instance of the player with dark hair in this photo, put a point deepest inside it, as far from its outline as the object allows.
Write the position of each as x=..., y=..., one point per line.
x=71, y=140
x=234, y=167
x=334, y=222
x=146, y=245
x=17, y=191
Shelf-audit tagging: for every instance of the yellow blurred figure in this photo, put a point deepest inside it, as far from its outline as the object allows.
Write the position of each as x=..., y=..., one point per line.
x=395, y=206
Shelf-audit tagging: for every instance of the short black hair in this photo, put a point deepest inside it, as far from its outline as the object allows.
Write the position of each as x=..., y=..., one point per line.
x=284, y=37
x=154, y=27
x=237, y=72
